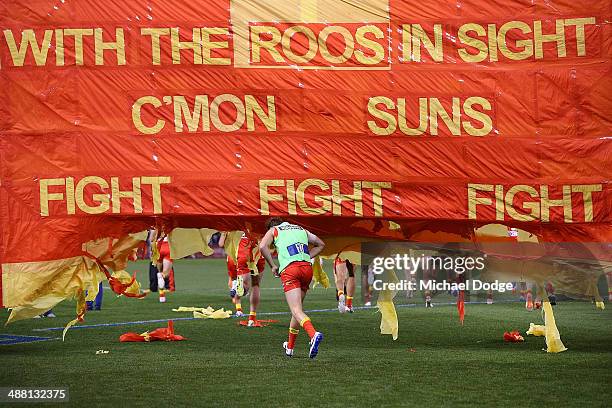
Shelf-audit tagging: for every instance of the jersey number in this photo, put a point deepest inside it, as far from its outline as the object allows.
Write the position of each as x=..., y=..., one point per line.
x=297, y=248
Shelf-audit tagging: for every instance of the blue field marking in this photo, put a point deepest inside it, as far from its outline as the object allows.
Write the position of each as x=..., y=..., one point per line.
x=374, y=308
x=9, y=339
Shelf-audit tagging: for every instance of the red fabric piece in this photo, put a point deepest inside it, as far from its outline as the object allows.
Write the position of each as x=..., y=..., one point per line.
x=161, y=334
x=513, y=337
x=131, y=337
x=115, y=284
x=258, y=323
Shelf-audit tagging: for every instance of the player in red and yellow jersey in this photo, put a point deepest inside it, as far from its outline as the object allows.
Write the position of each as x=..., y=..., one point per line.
x=232, y=272
x=165, y=267
x=344, y=275
x=248, y=274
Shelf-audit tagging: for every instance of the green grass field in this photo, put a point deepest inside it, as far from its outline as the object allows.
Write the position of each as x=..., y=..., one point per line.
x=434, y=362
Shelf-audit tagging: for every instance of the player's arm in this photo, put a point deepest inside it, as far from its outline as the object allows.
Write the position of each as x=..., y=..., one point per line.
x=315, y=243
x=264, y=247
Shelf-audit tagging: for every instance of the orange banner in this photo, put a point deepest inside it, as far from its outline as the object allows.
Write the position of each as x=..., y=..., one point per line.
x=438, y=116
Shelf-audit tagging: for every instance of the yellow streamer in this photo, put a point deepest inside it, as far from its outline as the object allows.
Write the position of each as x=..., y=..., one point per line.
x=81, y=307
x=231, y=244
x=318, y=274
x=186, y=241
x=388, y=323
x=205, y=313
x=553, y=338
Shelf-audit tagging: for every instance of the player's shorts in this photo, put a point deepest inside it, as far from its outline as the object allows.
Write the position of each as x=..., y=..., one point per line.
x=231, y=268
x=243, y=266
x=337, y=262
x=350, y=269
x=297, y=275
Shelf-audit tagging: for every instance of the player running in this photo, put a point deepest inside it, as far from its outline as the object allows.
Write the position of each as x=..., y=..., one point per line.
x=165, y=267
x=295, y=270
x=249, y=274
x=232, y=272
x=344, y=275
x=245, y=275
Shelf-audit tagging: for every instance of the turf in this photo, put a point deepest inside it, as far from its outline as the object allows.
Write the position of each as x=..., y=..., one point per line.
x=435, y=361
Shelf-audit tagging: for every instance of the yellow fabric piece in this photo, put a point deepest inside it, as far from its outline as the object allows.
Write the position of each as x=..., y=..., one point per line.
x=345, y=247
x=32, y=288
x=553, y=338
x=205, y=312
x=231, y=244
x=40, y=306
x=536, y=330
x=217, y=314
x=208, y=309
x=252, y=265
x=68, y=326
x=120, y=249
x=81, y=306
x=389, y=323
x=318, y=274
x=124, y=277
x=492, y=231
x=154, y=253
x=92, y=293
x=394, y=226
x=353, y=256
x=187, y=241
x=600, y=305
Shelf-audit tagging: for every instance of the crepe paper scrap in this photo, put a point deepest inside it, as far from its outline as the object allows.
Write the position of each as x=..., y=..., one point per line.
x=258, y=323
x=212, y=314
x=161, y=334
x=536, y=330
x=513, y=337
